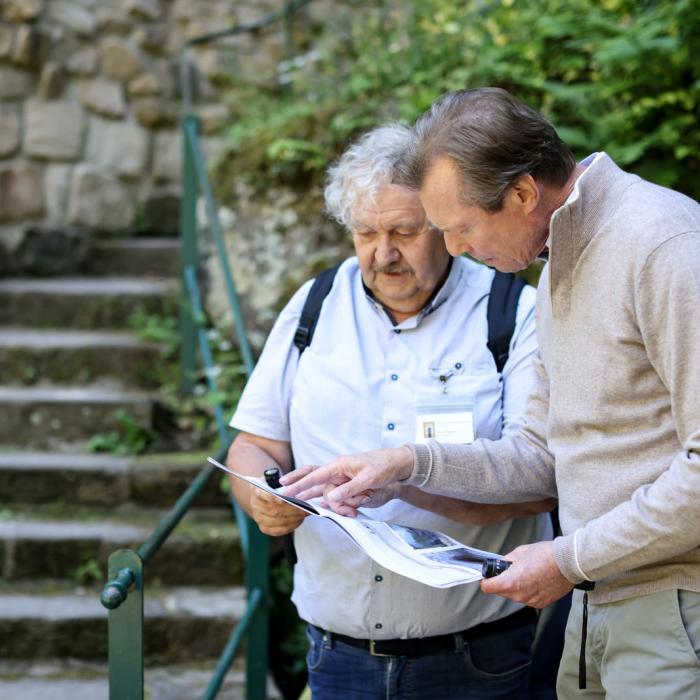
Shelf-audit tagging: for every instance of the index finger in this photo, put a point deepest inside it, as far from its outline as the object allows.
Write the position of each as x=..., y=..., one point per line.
x=296, y=474
x=295, y=484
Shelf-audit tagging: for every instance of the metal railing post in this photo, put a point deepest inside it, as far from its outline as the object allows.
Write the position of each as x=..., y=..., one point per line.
x=188, y=258
x=258, y=579
x=125, y=625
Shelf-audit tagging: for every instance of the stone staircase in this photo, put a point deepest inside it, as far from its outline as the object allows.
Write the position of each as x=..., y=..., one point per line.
x=67, y=363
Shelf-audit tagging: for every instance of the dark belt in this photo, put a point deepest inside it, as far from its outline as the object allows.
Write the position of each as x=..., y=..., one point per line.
x=425, y=646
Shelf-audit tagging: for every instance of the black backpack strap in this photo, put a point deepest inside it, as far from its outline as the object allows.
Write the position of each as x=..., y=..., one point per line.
x=312, y=308
x=500, y=314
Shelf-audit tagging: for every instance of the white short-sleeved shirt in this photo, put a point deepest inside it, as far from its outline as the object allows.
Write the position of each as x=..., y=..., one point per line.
x=356, y=388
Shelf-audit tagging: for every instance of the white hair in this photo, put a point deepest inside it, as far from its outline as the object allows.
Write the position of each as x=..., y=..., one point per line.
x=365, y=167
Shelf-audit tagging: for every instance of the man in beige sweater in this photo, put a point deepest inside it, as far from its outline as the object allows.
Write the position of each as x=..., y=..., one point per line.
x=613, y=424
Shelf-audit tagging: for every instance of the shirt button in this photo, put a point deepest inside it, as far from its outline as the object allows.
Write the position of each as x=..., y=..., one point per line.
x=458, y=365
x=394, y=377
x=390, y=426
x=378, y=626
x=378, y=578
x=397, y=330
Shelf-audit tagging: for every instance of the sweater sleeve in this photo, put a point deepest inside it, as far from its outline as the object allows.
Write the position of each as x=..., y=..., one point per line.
x=515, y=468
x=661, y=519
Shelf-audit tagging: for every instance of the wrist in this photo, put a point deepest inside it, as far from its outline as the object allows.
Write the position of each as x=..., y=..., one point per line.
x=421, y=464
x=405, y=463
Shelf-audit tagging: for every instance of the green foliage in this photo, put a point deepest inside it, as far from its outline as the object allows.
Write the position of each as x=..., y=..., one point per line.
x=156, y=329
x=194, y=415
x=615, y=75
x=130, y=437
x=89, y=572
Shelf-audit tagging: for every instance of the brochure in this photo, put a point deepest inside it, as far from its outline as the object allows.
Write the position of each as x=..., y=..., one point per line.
x=429, y=557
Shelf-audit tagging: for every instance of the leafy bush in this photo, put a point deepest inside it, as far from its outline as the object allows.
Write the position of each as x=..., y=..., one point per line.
x=615, y=75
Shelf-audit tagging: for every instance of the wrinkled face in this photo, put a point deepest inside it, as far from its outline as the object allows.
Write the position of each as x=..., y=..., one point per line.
x=508, y=240
x=401, y=257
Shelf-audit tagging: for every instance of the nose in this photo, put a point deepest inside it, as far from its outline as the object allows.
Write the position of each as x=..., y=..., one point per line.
x=386, y=252
x=457, y=245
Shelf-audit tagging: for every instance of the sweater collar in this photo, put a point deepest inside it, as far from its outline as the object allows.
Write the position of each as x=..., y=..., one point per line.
x=596, y=192
x=573, y=226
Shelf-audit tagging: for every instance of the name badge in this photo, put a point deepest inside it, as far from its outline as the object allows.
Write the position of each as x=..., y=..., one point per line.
x=448, y=420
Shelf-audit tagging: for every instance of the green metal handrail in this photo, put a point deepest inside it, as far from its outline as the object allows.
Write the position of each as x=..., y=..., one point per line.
x=123, y=595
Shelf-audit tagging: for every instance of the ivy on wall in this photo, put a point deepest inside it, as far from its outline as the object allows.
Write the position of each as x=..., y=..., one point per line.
x=615, y=75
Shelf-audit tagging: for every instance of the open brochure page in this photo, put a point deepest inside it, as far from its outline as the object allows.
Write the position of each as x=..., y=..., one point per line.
x=432, y=558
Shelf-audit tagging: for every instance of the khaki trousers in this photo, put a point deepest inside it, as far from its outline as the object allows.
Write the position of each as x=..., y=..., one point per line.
x=645, y=648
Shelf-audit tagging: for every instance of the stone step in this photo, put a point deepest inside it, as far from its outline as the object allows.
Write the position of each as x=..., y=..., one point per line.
x=73, y=679
x=181, y=624
x=44, y=417
x=156, y=480
x=82, y=302
x=47, y=543
x=131, y=257
x=76, y=356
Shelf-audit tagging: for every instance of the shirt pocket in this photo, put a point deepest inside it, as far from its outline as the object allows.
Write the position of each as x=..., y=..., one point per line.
x=476, y=382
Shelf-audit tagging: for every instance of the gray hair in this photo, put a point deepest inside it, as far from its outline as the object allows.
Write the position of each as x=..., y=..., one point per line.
x=493, y=140
x=364, y=168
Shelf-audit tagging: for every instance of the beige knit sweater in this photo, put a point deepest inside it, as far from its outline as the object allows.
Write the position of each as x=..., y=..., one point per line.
x=613, y=423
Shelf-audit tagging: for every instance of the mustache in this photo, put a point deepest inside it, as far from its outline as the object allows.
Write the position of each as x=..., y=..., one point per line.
x=391, y=269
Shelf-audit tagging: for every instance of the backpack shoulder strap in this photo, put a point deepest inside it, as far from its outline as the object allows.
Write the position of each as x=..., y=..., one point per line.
x=312, y=308
x=500, y=313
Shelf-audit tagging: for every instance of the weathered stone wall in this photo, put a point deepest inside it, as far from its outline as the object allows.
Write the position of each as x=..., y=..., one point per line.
x=89, y=103
x=90, y=146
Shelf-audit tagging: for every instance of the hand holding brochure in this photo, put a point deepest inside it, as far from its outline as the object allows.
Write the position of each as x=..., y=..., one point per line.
x=429, y=557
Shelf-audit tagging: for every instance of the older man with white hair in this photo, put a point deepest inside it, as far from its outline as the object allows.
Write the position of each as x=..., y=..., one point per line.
x=401, y=337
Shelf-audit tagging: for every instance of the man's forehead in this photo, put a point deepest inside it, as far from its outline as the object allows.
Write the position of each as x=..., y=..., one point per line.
x=406, y=209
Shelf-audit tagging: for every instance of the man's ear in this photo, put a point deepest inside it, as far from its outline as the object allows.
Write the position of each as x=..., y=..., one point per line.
x=525, y=194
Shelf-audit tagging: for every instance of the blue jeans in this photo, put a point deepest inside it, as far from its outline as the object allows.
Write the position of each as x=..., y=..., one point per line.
x=497, y=666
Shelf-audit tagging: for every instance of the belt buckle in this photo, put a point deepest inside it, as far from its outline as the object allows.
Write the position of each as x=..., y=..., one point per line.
x=372, y=649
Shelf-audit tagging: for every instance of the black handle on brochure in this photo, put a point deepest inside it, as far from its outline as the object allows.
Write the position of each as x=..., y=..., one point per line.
x=272, y=477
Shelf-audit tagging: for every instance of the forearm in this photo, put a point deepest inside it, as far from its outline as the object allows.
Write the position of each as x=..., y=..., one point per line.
x=252, y=455
x=509, y=470
x=478, y=514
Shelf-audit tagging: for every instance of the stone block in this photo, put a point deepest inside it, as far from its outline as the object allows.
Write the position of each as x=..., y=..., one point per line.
x=118, y=146
x=54, y=129
x=154, y=40
x=119, y=61
x=20, y=10
x=167, y=156
x=15, y=83
x=51, y=81
x=9, y=129
x=21, y=191
x=149, y=10
x=154, y=112
x=113, y=21
x=83, y=62
x=104, y=97
x=6, y=41
x=73, y=16
x=29, y=47
x=184, y=10
x=213, y=117
x=57, y=179
x=99, y=201
x=146, y=84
